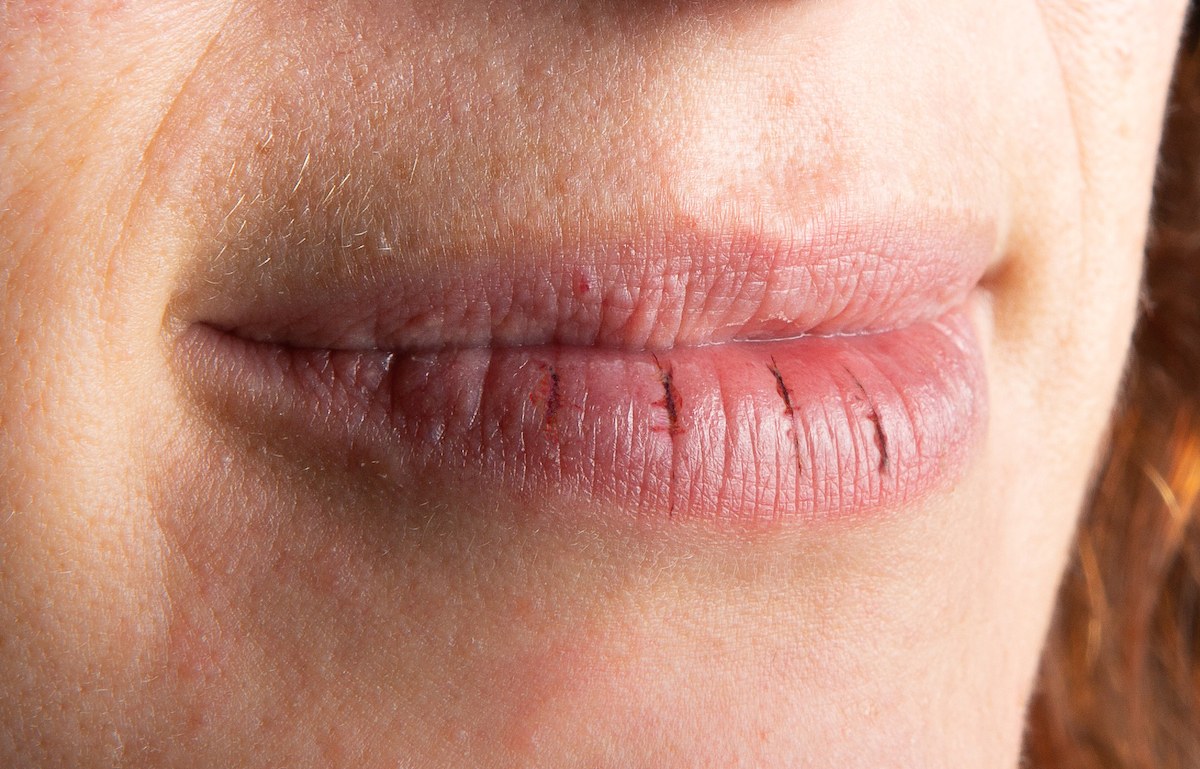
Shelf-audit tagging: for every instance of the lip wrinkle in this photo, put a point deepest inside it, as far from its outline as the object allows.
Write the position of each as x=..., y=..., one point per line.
x=841, y=427
x=849, y=270
x=672, y=402
x=547, y=396
x=782, y=389
x=873, y=415
x=880, y=441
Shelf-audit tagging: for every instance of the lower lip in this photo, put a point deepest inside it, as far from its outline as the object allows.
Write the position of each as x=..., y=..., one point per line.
x=749, y=435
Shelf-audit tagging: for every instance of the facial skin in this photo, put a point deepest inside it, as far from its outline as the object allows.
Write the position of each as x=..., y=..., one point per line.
x=186, y=580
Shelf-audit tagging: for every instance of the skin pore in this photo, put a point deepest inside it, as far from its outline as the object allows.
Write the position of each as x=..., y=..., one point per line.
x=209, y=561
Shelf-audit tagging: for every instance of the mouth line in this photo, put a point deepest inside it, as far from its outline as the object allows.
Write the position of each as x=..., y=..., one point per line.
x=251, y=337
x=663, y=289
x=806, y=431
x=732, y=377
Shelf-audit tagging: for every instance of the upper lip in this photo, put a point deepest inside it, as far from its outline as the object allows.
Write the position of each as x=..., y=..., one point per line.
x=846, y=271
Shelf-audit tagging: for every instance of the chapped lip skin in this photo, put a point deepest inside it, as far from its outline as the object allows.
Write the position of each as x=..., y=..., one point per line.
x=747, y=382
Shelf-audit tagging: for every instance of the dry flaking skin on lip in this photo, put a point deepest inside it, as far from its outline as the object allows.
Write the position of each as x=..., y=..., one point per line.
x=709, y=432
x=709, y=371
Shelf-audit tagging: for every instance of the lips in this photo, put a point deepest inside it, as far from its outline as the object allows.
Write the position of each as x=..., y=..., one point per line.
x=746, y=382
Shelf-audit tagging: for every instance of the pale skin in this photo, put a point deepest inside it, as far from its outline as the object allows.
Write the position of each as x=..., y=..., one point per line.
x=179, y=589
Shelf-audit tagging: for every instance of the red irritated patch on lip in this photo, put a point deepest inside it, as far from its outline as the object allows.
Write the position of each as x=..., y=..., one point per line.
x=748, y=435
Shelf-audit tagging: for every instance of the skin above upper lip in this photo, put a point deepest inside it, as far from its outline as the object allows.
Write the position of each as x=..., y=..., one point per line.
x=735, y=378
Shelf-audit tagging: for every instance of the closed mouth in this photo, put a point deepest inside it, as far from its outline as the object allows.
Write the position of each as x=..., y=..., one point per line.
x=728, y=379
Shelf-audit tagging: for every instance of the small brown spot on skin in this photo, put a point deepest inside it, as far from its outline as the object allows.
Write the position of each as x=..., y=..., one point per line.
x=786, y=394
x=880, y=436
x=670, y=400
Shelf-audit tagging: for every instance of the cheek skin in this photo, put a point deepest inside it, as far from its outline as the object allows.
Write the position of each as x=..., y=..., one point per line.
x=83, y=594
x=1065, y=300
x=175, y=589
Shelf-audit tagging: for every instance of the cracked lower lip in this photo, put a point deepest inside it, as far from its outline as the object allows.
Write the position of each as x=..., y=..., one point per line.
x=747, y=434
